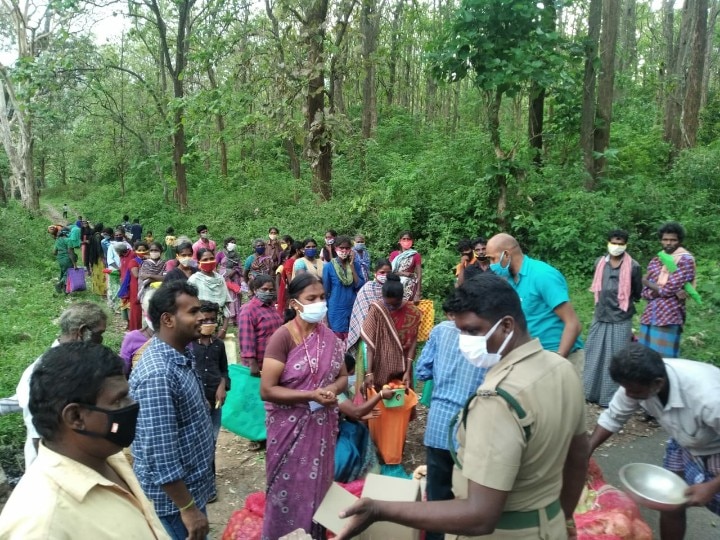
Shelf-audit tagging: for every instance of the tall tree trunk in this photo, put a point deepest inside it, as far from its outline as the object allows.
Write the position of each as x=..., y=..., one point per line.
x=536, y=111
x=337, y=60
x=587, y=121
x=455, y=108
x=289, y=146
x=493, y=100
x=628, y=58
x=176, y=70
x=17, y=139
x=178, y=138
x=16, y=121
x=536, y=107
x=677, y=52
x=693, y=90
x=41, y=177
x=219, y=125
x=3, y=196
x=606, y=81
x=369, y=25
x=394, y=50
x=288, y=142
x=319, y=144
x=712, y=20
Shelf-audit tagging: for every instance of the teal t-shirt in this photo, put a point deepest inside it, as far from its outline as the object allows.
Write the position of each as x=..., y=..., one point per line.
x=74, y=237
x=541, y=289
x=248, y=262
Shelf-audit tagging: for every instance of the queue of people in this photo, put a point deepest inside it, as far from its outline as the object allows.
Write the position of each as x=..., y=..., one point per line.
x=510, y=378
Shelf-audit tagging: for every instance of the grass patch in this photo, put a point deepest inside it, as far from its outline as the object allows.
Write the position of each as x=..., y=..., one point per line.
x=29, y=322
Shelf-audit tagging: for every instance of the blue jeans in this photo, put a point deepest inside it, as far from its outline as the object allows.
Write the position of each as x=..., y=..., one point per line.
x=439, y=480
x=175, y=527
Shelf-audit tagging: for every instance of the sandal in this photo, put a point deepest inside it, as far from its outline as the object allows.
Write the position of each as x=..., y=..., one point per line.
x=256, y=446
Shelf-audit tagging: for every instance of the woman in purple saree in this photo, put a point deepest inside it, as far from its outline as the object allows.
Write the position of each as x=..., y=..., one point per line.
x=303, y=373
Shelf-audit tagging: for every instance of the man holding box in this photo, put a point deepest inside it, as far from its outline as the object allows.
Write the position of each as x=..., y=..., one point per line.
x=664, y=287
x=523, y=447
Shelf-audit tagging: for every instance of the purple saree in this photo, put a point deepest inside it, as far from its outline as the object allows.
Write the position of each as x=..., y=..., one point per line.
x=300, y=460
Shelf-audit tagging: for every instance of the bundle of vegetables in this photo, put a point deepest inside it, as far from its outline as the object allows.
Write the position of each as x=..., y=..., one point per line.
x=606, y=513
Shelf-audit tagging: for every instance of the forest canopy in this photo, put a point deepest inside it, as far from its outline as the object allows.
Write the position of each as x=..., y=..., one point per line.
x=555, y=121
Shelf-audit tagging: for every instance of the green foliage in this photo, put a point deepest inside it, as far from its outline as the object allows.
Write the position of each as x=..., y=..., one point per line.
x=28, y=273
x=502, y=43
x=27, y=276
x=709, y=131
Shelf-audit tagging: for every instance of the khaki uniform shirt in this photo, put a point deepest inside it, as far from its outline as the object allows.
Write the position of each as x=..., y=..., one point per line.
x=493, y=449
x=62, y=499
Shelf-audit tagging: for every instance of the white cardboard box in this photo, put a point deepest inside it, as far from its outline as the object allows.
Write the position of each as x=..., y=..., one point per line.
x=384, y=488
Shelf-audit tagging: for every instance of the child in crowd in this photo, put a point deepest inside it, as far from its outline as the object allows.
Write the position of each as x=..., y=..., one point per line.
x=212, y=366
x=355, y=453
x=169, y=254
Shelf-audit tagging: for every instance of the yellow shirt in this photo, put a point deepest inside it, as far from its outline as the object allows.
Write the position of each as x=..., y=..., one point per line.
x=61, y=499
x=494, y=452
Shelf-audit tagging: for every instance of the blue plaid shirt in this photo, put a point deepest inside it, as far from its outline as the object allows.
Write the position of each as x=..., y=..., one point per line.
x=454, y=381
x=174, y=437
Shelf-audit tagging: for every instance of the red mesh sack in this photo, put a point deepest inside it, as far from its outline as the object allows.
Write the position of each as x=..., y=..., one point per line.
x=355, y=487
x=612, y=499
x=641, y=530
x=255, y=502
x=243, y=525
x=595, y=476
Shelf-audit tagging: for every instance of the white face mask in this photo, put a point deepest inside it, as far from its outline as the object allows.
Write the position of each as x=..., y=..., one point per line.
x=474, y=348
x=381, y=278
x=616, y=250
x=231, y=246
x=313, y=313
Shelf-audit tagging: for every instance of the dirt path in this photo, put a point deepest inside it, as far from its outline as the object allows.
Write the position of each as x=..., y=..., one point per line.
x=55, y=214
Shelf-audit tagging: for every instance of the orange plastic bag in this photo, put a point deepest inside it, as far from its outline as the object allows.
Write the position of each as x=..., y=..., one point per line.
x=389, y=429
x=427, y=308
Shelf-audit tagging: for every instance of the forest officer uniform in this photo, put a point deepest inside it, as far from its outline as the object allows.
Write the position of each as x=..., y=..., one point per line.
x=515, y=436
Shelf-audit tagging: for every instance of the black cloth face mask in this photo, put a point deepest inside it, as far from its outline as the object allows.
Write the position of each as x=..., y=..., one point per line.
x=120, y=427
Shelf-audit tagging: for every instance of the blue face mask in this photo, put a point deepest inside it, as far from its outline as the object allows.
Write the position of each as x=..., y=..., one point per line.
x=260, y=250
x=500, y=270
x=359, y=246
x=310, y=252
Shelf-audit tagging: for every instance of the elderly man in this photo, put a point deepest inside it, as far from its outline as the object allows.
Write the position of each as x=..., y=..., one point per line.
x=80, y=486
x=523, y=448
x=173, y=449
x=83, y=321
x=544, y=296
x=683, y=397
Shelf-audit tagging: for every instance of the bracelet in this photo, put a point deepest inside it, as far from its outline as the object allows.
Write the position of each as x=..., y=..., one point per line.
x=188, y=505
x=570, y=523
